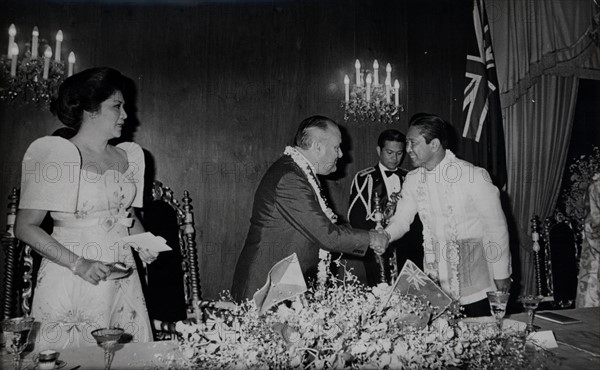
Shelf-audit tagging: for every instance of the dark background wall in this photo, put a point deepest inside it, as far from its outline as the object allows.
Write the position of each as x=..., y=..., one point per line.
x=222, y=86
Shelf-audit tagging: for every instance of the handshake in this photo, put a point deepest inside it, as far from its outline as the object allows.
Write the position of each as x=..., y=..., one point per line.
x=379, y=240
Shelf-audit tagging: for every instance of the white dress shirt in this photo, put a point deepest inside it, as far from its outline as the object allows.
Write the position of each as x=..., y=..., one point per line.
x=458, y=205
x=392, y=183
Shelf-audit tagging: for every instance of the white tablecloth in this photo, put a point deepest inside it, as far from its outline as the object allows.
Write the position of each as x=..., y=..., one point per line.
x=127, y=356
x=578, y=347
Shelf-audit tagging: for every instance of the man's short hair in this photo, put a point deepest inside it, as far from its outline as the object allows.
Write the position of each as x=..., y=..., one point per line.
x=305, y=135
x=390, y=135
x=431, y=127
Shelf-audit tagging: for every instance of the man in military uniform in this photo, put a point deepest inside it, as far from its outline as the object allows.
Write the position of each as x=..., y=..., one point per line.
x=384, y=181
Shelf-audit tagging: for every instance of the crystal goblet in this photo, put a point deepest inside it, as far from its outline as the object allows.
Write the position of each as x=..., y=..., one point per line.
x=498, y=301
x=16, y=336
x=530, y=303
x=107, y=338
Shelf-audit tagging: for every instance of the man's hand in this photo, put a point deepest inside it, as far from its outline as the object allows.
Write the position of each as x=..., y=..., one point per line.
x=503, y=285
x=378, y=241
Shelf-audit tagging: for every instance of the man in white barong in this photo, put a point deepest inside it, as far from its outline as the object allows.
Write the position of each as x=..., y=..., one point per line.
x=465, y=237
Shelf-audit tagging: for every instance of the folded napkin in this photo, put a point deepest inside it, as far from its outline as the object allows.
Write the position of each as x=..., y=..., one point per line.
x=148, y=241
x=118, y=270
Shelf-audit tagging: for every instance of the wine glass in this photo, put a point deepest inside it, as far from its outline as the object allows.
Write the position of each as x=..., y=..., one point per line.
x=16, y=336
x=530, y=303
x=498, y=301
x=107, y=339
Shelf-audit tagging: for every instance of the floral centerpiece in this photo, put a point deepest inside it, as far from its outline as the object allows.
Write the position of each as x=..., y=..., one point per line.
x=344, y=324
x=582, y=174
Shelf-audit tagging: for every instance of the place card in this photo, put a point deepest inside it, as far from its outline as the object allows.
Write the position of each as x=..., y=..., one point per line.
x=544, y=339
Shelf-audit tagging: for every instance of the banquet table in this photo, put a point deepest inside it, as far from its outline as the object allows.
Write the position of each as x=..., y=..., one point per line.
x=578, y=347
x=578, y=344
x=127, y=356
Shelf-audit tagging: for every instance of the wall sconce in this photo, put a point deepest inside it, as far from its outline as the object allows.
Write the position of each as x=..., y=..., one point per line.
x=28, y=78
x=368, y=100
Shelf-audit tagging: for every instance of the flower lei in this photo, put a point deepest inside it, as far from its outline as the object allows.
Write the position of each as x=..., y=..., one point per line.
x=300, y=160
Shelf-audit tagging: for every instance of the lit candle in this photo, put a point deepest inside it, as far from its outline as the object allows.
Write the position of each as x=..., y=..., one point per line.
x=369, y=87
x=376, y=72
x=388, y=87
x=14, y=53
x=12, y=31
x=347, y=88
x=47, y=56
x=357, y=66
x=397, y=93
x=59, y=39
x=71, y=63
x=388, y=69
x=34, y=42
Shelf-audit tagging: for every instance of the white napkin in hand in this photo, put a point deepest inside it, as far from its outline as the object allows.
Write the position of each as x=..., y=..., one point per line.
x=148, y=241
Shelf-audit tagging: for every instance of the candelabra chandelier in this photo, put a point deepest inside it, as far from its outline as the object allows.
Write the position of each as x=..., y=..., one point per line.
x=368, y=100
x=28, y=78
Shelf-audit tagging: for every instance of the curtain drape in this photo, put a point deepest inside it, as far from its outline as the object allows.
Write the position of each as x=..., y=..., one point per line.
x=538, y=135
x=542, y=48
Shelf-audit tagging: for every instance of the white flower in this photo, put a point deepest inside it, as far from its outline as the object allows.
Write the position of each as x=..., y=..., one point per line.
x=458, y=349
x=358, y=349
x=445, y=331
x=365, y=337
x=296, y=361
x=384, y=360
x=188, y=353
x=386, y=344
x=381, y=290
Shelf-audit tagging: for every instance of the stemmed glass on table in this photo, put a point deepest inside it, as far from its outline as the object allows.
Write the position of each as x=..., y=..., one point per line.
x=107, y=339
x=530, y=303
x=498, y=301
x=16, y=336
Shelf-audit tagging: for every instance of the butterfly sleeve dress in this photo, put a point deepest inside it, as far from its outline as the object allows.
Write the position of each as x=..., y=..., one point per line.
x=89, y=210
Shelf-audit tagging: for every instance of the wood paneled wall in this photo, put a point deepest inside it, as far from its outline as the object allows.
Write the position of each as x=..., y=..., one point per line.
x=222, y=86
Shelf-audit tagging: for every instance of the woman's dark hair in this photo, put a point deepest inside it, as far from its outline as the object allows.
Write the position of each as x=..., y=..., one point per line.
x=64, y=132
x=85, y=91
x=431, y=127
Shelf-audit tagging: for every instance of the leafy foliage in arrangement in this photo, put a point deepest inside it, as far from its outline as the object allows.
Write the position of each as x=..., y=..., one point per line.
x=341, y=326
x=375, y=110
x=583, y=172
x=29, y=86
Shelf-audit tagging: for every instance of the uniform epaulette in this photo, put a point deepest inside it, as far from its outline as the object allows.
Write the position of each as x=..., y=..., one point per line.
x=366, y=171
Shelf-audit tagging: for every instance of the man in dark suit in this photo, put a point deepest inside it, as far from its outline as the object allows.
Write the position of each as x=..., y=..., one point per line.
x=290, y=213
x=384, y=179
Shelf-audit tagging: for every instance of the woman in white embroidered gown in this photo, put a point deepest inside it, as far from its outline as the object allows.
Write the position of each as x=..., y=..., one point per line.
x=89, y=187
